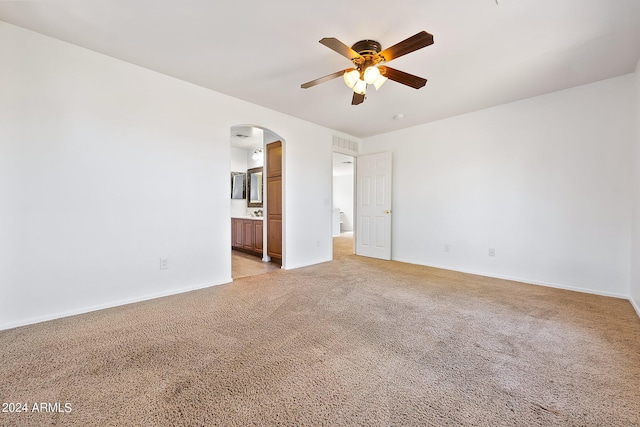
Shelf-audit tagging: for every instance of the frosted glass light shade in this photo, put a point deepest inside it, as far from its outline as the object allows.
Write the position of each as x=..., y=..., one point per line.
x=360, y=87
x=379, y=81
x=371, y=74
x=351, y=78
x=257, y=154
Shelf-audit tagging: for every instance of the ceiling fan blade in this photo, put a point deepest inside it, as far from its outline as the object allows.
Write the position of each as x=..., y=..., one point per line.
x=357, y=99
x=336, y=45
x=402, y=77
x=413, y=43
x=322, y=79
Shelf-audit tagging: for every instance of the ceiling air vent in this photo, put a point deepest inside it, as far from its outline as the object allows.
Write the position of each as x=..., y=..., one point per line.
x=345, y=146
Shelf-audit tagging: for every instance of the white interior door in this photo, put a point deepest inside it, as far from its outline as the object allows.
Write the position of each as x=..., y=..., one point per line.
x=373, y=205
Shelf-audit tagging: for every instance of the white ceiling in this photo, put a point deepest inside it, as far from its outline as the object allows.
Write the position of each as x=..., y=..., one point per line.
x=485, y=53
x=251, y=137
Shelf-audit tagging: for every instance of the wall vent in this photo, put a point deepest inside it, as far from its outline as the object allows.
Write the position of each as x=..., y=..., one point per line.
x=345, y=146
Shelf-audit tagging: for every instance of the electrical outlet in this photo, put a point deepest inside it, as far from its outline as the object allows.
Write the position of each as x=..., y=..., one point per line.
x=492, y=252
x=318, y=243
x=164, y=263
x=447, y=248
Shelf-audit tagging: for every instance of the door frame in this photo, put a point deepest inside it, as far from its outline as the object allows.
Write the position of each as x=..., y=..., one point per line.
x=380, y=213
x=354, y=156
x=269, y=136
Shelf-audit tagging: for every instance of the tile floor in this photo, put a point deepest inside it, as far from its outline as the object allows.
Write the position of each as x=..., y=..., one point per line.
x=244, y=264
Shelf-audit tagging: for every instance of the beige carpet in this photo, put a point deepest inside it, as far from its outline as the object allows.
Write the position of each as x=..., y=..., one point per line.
x=352, y=342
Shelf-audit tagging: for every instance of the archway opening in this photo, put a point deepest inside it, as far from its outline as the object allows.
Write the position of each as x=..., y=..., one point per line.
x=257, y=223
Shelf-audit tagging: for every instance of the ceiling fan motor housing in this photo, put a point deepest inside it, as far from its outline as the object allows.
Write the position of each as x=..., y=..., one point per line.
x=368, y=51
x=367, y=47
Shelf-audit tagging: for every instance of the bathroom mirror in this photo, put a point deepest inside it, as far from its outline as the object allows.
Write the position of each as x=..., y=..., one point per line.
x=254, y=188
x=238, y=189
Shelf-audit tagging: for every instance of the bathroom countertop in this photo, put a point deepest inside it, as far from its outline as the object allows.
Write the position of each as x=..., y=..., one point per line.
x=257, y=218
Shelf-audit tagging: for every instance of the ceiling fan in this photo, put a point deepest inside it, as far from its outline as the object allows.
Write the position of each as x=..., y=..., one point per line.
x=367, y=57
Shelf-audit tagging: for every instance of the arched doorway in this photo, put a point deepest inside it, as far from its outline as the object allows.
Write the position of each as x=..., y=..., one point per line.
x=257, y=225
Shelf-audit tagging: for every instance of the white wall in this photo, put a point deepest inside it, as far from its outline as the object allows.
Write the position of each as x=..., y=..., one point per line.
x=241, y=161
x=256, y=163
x=544, y=181
x=238, y=164
x=259, y=162
x=105, y=167
x=635, y=254
x=343, y=198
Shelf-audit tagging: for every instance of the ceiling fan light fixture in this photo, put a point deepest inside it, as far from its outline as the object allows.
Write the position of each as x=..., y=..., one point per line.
x=379, y=81
x=351, y=77
x=360, y=87
x=367, y=58
x=371, y=74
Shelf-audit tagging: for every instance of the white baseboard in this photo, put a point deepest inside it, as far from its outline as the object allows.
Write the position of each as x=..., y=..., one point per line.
x=290, y=266
x=108, y=305
x=635, y=306
x=527, y=281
